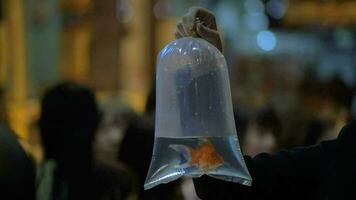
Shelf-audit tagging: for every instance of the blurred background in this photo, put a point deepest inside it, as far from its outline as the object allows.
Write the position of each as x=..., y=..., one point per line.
x=292, y=63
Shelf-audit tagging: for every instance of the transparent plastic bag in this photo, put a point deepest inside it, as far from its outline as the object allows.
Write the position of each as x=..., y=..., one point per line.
x=195, y=132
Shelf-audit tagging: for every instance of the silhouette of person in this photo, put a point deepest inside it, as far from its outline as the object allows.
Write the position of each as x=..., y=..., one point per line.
x=68, y=122
x=17, y=172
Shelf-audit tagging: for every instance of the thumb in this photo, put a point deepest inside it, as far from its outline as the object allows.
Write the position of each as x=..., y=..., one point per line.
x=212, y=36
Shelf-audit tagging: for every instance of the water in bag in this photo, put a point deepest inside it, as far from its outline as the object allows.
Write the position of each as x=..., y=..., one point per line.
x=195, y=131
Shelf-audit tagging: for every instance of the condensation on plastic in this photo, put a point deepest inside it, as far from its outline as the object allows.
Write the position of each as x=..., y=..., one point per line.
x=193, y=102
x=193, y=91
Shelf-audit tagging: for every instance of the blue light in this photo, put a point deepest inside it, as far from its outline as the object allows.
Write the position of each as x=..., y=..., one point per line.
x=277, y=8
x=266, y=40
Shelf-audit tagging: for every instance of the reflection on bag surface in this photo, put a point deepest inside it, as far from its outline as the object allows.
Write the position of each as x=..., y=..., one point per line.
x=195, y=133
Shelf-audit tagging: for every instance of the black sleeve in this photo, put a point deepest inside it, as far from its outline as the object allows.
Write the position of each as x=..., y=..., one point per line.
x=343, y=173
x=292, y=174
x=17, y=171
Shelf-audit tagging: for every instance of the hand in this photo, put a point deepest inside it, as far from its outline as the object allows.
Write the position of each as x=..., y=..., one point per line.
x=199, y=22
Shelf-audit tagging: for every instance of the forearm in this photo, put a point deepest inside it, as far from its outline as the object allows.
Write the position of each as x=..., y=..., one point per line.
x=211, y=188
x=284, y=174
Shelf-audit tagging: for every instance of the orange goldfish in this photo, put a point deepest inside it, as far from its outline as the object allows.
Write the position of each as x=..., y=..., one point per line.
x=205, y=156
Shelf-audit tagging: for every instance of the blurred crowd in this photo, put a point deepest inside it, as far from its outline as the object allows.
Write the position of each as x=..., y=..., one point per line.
x=103, y=151
x=101, y=148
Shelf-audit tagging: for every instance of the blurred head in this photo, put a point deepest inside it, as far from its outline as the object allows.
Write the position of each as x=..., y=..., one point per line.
x=69, y=118
x=263, y=132
x=329, y=102
x=315, y=129
x=241, y=122
x=116, y=116
x=267, y=121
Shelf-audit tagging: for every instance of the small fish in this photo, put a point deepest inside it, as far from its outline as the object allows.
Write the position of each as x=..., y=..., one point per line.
x=205, y=156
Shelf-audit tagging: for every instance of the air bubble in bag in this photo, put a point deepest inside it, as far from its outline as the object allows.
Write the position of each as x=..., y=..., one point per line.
x=195, y=132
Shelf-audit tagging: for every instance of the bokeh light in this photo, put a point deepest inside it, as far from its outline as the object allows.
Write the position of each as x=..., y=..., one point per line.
x=266, y=40
x=276, y=8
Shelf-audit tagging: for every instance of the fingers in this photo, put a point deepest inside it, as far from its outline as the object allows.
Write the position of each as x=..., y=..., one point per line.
x=185, y=28
x=189, y=25
x=210, y=35
x=180, y=30
x=206, y=32
x=200, y=12
x=199, y=22
x=177, y=34
x=203, y=15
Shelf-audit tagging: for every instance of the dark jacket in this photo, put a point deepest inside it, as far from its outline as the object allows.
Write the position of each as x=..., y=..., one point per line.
x=324, y=171
x=17, y=172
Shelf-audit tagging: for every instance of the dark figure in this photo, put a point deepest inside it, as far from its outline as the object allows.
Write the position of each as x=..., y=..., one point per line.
x=136, y=152
x=242, y=119
x=267, y=120
x=314, y=131
x=17, y=172
x=263, y=132
x=69, y=118
x=330, y=113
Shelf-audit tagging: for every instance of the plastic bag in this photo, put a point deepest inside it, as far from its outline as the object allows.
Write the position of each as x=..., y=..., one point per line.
x=195, y=132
